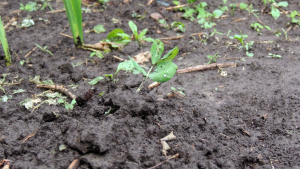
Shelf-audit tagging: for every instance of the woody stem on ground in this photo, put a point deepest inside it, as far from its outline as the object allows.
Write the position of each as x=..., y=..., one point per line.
x=144, y=80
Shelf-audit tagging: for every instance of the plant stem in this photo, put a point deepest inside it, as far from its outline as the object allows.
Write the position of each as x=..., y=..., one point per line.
x=144, y=80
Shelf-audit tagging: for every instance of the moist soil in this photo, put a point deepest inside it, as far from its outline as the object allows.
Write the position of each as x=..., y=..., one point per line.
x=247, y=119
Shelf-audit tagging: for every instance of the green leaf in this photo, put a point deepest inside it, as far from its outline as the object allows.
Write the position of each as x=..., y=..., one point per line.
x=283, y=4
x=4, y=44
x=113, y=35
x=243, y=6
x=5, y=98
x=127, y=66
x=124, y=35
x=157, y=49
x=142, y=34
x=73, y=8
x=173, y=88
x=169, y=56
x=71, y=105
x=137, y=66
x=133, y=28
x=99, y=29
x=163, y=72
x=148, y=39
x=96, y=80
x=217, y=13
x=275, y=12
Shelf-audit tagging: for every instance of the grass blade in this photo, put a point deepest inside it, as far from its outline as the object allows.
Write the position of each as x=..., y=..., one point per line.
x=73, y=8
x=4, y=44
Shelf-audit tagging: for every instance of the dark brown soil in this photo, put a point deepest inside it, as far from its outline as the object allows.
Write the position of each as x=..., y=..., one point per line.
x=247, y=119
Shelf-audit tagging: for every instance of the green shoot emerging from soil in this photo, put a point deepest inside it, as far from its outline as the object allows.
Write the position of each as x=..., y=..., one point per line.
x=257, y=26
x=274, y=55
x=44, y=49
x=4, y=44
x=73, y=8
x=293, y=15
x=213, y=58
x=138, y=37
x=275, y=12
x=246, y=46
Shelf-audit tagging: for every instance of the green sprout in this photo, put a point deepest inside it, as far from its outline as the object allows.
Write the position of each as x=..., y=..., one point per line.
x=216, y=32
x=45, y=4
x=176, y=92
x=164, y=23
x=247, y=46
x=99, y=29
x=138, y=37
x=4, y=44
x=44, y=49
x=73, y=8
x=293, y=15
x=274, y=55
x=232, y=6
x=257, y=26
x=29, y=7
x=213, y=58
x=178, y=25
x=274, y=8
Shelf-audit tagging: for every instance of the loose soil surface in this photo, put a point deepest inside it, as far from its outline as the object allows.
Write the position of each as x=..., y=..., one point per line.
x=247, y=119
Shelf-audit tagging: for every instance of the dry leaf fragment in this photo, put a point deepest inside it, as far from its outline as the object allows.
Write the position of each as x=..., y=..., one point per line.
x=4, y=164
x=142, y=57
x=169, y=137
x=74, y=164
x=165, y=146
x=156, y=16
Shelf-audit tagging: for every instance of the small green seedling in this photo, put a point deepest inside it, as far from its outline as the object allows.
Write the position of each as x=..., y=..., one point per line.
x=232, y=6
x=247, y=46
x=213, y=58
x=224, y=8
x=99, y=29
x=45, y=4
x=96, y=80
x=97, y=53
x=216, y=32
x=285, y=33
x=257, y=26
x=44, y=49
x=277, y=33
x=4, y=44
x=165, y=68
x=275, y=12
x=138, y=37
x=176, y=92
x=73, y=8
x=164, y=23
x=274, y=55
x=29, y=7
x=293, y=15
x=178, y=25
x=140, y=17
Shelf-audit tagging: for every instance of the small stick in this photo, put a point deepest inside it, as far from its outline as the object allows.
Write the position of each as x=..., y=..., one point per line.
x=288, y=29
x=66, y=35
x=238, y=20
x=204, y=67
x=234, y=58
x=169, y=158
x=56, y=11
x=172, y=38
x=30, y=52
x=11, y=21
x=179, y=6
x=29, y=136
x=74, y=164
x=2, y=138
x=59, y=88
x=150, y=2
x=118, y=58
x=153, y=85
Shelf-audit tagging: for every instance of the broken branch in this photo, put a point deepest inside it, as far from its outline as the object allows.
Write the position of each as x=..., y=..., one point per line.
x=59, y=88
x=204, y=67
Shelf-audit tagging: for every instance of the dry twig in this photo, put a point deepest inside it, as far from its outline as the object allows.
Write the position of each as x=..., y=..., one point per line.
x=11, y=21
x=74, y=164
x=169, y=158
x=56, y=11
x=238, y=20
x=204, y=67
x=172, y=38
x=59, y=88
x=150, y=2
x=118, y=58
x=179, y=6
x=29, y=136
x=66, y=35
x=30, y=52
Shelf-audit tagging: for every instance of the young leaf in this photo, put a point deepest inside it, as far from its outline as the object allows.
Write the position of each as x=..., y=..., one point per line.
x=275, y=12
x=157, y=49
x=142, y=34
x=133, y=28
x=3, y=40
x=243, y=6
x=217, y=13
x=137, y=66
x=113, y=35
x=164, y=71
x=127, y=66
x=99, y=29
x=96, y=80
x=169, y=56
x=283, y=4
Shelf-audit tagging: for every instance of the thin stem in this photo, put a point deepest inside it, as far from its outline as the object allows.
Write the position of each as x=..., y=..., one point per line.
x=144, y=80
